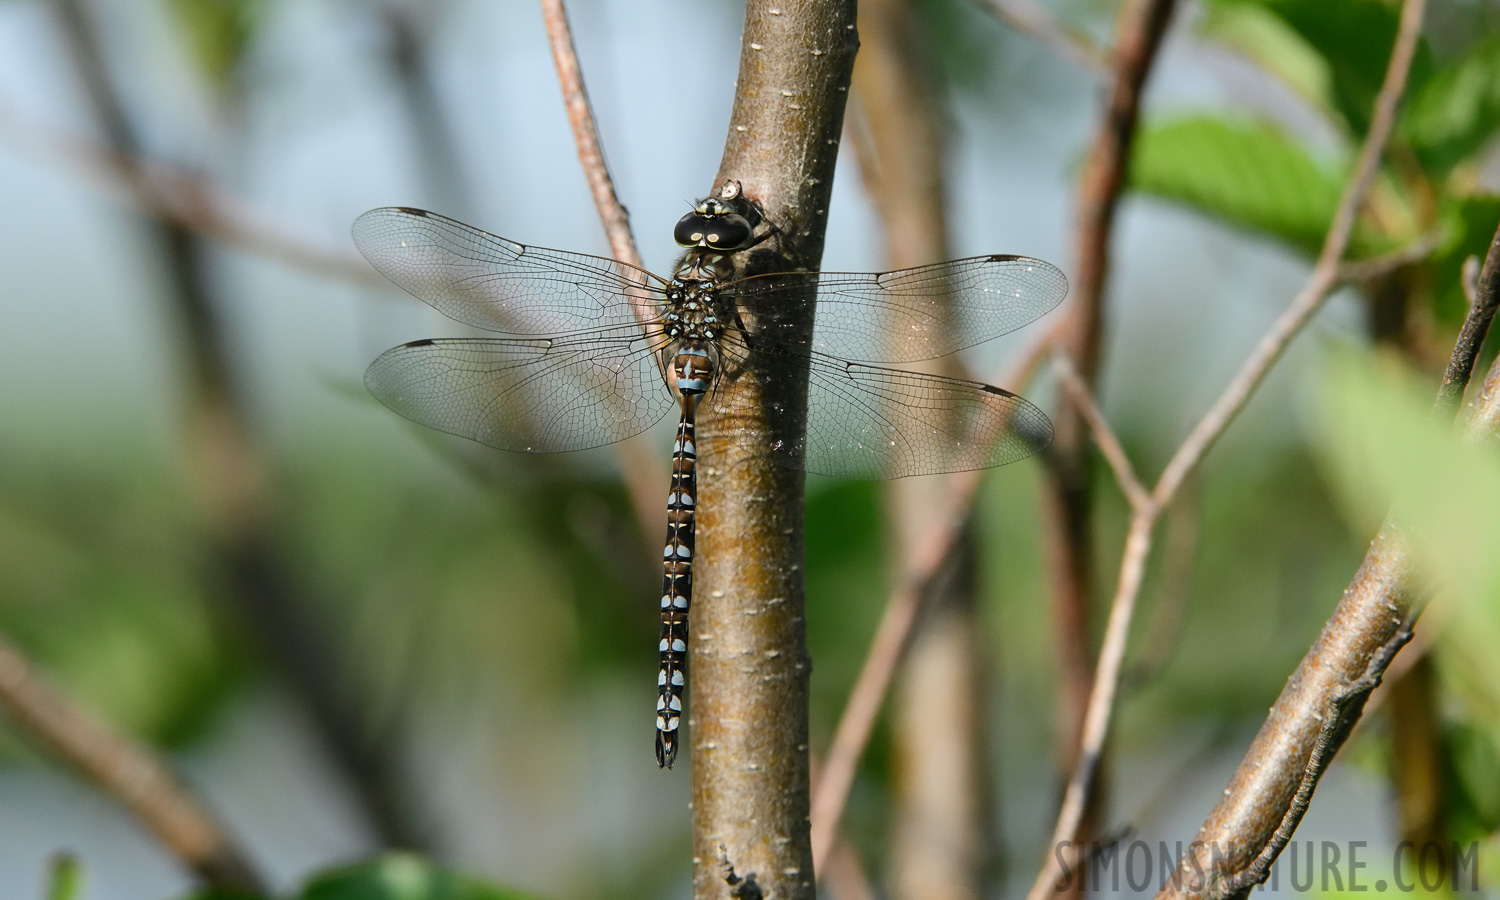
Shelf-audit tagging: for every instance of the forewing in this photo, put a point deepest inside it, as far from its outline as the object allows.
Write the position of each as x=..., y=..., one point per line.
x=495, y=284
x=910, y=314
x=527, y=394
x=869, y=423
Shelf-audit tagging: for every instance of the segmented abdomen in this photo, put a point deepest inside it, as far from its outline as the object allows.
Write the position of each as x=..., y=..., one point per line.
x=677, y=589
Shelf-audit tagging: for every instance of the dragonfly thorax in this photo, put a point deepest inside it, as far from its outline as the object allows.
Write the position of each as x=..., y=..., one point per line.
x=696, y=309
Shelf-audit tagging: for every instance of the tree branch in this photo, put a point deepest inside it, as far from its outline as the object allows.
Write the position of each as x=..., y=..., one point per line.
x=1104, y=436
x=1067, y=493
x=748, y=726
x=1137, y=546
x=126, y=770
x=642, y=468
x=1324, y=698
x=612, y=213
x=1039, y=23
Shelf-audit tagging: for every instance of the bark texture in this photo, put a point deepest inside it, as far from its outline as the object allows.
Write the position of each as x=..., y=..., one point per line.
x=749, y=665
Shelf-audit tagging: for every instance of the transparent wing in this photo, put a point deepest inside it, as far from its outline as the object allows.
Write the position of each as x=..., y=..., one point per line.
x=869, y=423
x=534, y=395
x=910, y=314
x=495, y=284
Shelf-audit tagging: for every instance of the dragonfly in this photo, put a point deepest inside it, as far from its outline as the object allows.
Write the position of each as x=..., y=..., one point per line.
x=590, y=350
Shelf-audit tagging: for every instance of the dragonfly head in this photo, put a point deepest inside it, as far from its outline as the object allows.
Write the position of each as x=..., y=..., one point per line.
x=715, y=225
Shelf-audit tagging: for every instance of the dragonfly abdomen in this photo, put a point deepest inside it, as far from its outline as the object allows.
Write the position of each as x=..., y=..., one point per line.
x=677, y=586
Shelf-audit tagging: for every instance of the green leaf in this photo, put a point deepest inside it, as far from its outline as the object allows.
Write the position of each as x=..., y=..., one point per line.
x=402, y=876
x=1354, y=38
x=1456, y=112
x=1265, y=38
x=1243, y=173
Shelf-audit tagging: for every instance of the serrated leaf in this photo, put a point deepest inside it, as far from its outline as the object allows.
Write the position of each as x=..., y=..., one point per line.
x=1244, y=173
x=402, y=876
x=1458, y=110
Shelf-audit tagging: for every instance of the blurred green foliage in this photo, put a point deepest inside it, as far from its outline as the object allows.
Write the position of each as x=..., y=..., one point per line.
x=217, y=32
x=66, y=878
x=394, y=876
x=101, y=582
x=1384, y=449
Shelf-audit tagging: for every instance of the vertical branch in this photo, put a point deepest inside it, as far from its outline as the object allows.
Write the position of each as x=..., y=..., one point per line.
x=228, y=472
x=940, y=840
x=128, y=771
x=1067, y=495
x=748, y=727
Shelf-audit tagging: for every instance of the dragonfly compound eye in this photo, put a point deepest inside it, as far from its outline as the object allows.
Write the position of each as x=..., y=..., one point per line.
x=725, y=231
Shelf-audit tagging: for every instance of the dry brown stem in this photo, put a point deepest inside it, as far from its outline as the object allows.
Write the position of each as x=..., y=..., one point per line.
x=126, y=770
x=644, y=470
x=1067, y=493
x=1324, y=698
x=1038, y=22
x=940, y=840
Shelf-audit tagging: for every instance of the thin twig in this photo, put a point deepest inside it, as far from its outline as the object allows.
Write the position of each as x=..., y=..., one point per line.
x=130, y=772
x=1179, y=555
x=892, y=634
x=1377, y=266
x=891, y=637
x=1325, y=271
x=1038, y=22
x=1141, y=27
x=1265, y=354
x=641, y=466
x=1104, y=436
x=612, y=213
x=1482, y=306
x=174, y=195
x=1096, y=718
